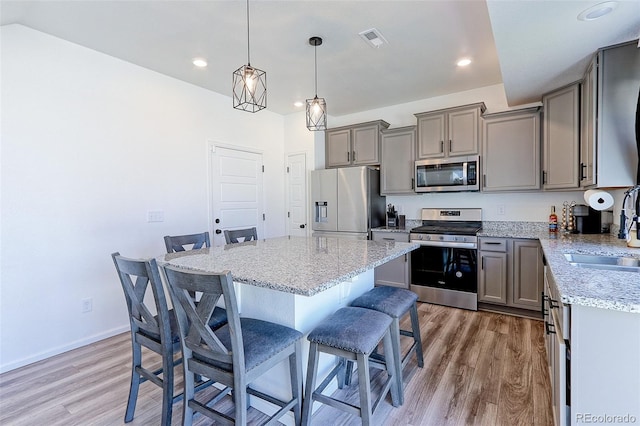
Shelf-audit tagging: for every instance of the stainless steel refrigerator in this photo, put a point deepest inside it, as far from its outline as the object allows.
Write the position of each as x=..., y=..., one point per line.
x=346, y=202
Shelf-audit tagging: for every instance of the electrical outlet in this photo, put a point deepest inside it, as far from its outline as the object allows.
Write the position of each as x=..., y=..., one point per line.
x=155, y=216
x=87, y=305
x=501, y=209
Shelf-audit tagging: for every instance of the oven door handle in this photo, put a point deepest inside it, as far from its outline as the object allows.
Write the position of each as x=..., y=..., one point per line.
x=451, y=244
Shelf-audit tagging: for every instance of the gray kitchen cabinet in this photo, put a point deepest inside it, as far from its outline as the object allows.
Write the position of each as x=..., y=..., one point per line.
x=492, y=280
x=394, y=273
x=587, y=127
x=355, y=145
x=561, y=129
x=449, y=132
x=510, y=273
x=610, y=96
x=397, y=147
x=511, y=150
x=528, y=275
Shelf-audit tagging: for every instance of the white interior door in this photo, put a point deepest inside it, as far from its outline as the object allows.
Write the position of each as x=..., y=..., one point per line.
x=297, y=194
x=236, y=192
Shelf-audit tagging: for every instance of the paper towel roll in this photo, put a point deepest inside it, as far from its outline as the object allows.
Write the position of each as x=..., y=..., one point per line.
x=598, y=200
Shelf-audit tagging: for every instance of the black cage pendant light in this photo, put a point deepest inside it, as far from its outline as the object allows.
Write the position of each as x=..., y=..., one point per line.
x=249, y=83
x=316, y=107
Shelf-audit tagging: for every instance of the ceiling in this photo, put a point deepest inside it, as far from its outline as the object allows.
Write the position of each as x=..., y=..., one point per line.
x=530, y=46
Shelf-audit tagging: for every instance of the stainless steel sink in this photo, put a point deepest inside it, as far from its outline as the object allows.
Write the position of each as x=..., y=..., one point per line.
x=612, y=263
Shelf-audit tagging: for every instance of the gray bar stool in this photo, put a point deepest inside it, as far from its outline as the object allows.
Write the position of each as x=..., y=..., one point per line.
x=351, y=334
x=395, y=302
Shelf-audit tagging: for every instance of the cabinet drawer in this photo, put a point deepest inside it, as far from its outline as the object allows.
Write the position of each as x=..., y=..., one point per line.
x=493, y=244
x=402, y=237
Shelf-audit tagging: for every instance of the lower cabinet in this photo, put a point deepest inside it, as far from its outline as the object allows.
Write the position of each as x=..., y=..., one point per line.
x=395, y=272
x=510, y=273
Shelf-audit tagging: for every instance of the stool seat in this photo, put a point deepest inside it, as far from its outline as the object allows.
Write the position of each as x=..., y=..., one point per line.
x=396, y=303
x=355, y=330
x=392, y=301
x=352, y=334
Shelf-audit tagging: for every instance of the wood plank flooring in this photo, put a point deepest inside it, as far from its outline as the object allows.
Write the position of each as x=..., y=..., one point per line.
x=481, y=368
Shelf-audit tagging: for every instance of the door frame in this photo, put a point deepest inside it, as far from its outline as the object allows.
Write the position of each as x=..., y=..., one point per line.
x=306, y=190
x=212, y=145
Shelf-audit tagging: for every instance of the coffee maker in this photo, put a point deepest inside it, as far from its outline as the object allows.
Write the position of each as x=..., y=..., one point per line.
x=588, y=220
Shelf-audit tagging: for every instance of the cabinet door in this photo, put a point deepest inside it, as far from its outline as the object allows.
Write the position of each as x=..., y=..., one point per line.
x=561, y=138
x=588, y=130
x=463, y=132
x=394, y=273
x=338, y=148
x=431, y=135
x=397, y=161
x=366, y=145
x=528, y=279
x=511, y=151
x=492, y=286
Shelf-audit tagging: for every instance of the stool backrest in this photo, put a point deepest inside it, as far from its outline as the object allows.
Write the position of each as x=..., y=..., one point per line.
x=198, y=338
x=177, y=243
x=231, y=236
x=136, y=277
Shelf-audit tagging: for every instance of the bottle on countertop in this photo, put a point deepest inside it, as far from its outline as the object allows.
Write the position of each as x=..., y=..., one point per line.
x=553, y=220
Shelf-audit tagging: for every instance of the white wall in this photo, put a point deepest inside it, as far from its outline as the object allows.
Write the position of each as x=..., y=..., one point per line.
x=89, y=145
x=524, y=206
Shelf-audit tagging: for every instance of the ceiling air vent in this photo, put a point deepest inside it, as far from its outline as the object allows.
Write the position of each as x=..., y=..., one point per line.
x=373, y=37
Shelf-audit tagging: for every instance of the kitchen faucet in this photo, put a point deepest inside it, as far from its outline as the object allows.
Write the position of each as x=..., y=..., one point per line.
x=635, y=216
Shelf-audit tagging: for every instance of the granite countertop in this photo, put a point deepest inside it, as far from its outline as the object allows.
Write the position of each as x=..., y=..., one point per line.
x=298, y=265
x=579, y=286
x=593, y=287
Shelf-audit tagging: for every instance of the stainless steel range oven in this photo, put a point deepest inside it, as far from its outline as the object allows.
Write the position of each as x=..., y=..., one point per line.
x=444, y=270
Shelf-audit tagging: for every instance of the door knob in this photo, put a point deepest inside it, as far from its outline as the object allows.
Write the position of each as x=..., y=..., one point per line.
x=218, y=231
x=302, y=226
x=217, y=220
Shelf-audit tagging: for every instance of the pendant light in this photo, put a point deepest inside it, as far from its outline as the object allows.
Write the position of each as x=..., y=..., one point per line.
x=249, y=84
x=316, y=107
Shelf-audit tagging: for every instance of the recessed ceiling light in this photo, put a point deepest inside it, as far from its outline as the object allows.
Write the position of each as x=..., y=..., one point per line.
x=597, y=11
x=200, y=62
x=298, y=104
x=464, y=62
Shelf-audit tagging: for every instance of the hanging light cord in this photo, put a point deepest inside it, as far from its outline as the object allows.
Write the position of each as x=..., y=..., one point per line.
x=248, y=51
x=315, y=52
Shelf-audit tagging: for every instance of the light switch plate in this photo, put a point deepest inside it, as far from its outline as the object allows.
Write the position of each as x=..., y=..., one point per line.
x=155, y=216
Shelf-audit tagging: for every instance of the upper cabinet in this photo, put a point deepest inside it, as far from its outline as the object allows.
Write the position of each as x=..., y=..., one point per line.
x=398, y=161
x=587, y=127
x=561, y=131
x=610, y=97
x=356, y=145
x=449, y=132
x=511, y=150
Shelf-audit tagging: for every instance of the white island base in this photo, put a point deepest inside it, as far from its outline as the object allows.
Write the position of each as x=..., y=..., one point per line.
x=302, y=313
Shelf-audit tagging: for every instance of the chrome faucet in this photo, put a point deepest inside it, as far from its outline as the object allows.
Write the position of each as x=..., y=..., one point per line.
x=635, y=216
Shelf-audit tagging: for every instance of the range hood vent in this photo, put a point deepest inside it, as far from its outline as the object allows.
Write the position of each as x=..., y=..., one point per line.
x=373, y=37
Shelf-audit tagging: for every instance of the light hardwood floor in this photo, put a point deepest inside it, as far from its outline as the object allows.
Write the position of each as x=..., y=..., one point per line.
x=480, y=368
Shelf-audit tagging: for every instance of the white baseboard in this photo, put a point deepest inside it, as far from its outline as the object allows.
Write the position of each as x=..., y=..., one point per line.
x=60, y=349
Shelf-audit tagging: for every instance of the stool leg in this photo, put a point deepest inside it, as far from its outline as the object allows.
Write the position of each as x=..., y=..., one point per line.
x=135, y=380
x=295, y=372
x=392, y=363
x=310, y=386
x=364, y=387
x=415, y=326
x=397, y=359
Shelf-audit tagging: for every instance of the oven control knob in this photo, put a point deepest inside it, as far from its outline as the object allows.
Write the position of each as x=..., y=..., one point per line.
x=441, y=238
x=427, y=237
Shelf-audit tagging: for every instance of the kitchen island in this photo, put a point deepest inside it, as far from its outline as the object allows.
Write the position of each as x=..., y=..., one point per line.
x=293, y=281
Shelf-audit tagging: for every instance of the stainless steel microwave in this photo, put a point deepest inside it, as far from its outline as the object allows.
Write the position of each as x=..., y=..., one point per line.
x=448, y=174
